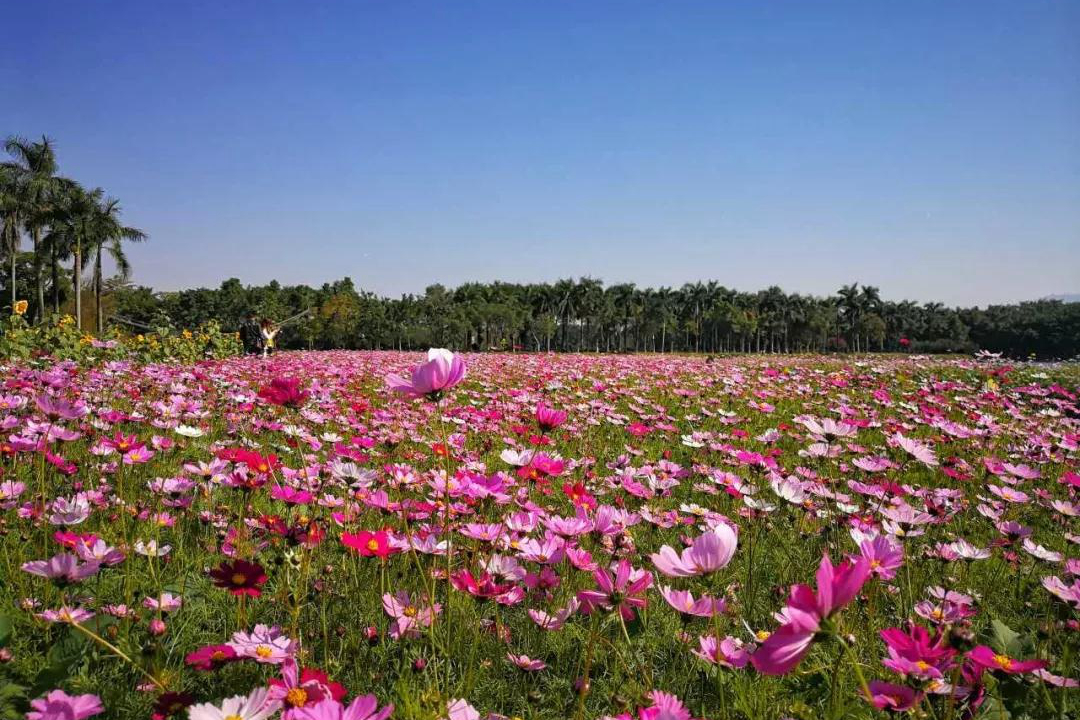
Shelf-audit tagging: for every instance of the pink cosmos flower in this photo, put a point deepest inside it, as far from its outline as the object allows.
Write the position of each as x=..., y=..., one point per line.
x=837, y=586
x=365, y=707
x=442, y=371
x=887, y=696
x=987, y=658
x=711, y=551
x=268, y=645
x=623, y=592
x=548, y=418
x=524, y=662
x=66, y=615
x=884, y=554
x=729, y=652
x=684, y=602
x=915, y=653
x=63, y=568
x=408, y=614
x=1067, y=593
x=58, y=705
x=60, y=409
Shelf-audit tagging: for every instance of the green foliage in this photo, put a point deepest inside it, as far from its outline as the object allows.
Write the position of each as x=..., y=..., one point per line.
x=59, y=339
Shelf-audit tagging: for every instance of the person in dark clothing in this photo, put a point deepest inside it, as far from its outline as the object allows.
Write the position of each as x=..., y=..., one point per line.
x=250, y=335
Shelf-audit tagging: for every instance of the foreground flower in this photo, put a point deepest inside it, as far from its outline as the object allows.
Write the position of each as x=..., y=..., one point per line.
x=442, y=371
x=256, y=706
x=805, y=613
x=58, y=705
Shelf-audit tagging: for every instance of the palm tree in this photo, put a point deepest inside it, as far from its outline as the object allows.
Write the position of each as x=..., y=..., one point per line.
x=35, y=164
x=109, y=235
x=11, y=205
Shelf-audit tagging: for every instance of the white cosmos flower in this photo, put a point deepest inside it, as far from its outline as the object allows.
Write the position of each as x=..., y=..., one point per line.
x=255, y=706
x=189, y=431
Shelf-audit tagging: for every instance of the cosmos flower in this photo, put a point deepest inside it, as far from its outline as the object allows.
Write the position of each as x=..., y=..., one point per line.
x=58, y=705
x=623, y=591
x=709, y=552
x=806, y=609
x=988, y=658
x=442, y=371
x=255, y=706
x=63, y=568
x=240, y=577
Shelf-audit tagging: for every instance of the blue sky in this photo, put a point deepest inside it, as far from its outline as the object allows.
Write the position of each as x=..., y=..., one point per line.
x=929, y=148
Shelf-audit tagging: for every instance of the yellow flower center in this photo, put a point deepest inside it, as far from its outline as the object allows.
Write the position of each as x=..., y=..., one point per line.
x=233, y=717
x=263, y=651
x=296, y=697
x=373, y=544
x=762, y=635
x=218, y=656
x=923, y=665
x=409, y=611
x=1003, y=661
x=239, y=578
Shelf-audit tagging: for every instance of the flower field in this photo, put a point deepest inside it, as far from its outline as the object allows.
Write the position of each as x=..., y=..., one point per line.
x=362, y=535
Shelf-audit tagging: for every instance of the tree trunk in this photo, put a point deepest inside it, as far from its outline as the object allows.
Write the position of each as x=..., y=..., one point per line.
x=39, y=282
x=76, y=276
x=13, y=236
x=55, y=273
x=97, y=289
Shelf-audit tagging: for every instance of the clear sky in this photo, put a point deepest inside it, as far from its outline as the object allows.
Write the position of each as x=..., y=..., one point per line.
x=930, y=148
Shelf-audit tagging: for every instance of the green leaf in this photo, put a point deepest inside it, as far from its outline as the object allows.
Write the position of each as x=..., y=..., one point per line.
x=1006, y=640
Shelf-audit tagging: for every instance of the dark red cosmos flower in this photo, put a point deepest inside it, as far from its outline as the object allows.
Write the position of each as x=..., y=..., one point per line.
x=240, y=577
x=578, y=495
x=169, y=704
x=211, y=657
x=284, y=391
x=255, y=462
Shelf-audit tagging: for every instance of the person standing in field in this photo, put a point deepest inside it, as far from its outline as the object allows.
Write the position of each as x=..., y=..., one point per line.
x=250, y=334
x=268, y=331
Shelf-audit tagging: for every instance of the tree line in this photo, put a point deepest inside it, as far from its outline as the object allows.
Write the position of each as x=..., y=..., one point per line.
x=70, y=229
x=584, y=315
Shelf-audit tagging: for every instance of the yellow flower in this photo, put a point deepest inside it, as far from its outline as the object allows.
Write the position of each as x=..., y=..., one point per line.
x=20, y=307
x=187, y=334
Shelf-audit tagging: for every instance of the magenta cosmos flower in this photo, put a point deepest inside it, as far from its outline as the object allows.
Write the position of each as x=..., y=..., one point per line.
x=987, y=658
x=442, y=371
x=59, y=705
x=365, y=707
x=548, y=418
x=623, y=592
x=806, y=610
